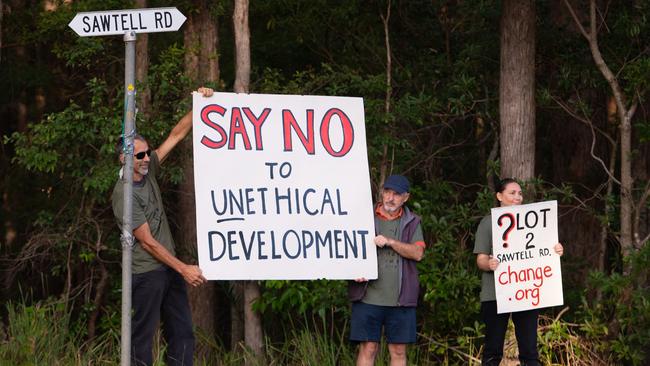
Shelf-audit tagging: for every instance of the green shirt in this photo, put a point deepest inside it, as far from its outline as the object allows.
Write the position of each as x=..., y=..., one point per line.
x=385, y=289
x=483, y=245
x=147, y=208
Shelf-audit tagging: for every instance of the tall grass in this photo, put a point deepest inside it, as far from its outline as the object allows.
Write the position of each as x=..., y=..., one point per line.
x=40, y=334
x=43, y=334
x=307, y=347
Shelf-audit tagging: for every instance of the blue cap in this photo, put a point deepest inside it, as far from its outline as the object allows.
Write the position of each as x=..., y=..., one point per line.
x=397, y=183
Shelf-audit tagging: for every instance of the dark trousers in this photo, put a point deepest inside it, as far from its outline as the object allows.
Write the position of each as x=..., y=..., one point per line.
x=161, y=296
x=496, y=326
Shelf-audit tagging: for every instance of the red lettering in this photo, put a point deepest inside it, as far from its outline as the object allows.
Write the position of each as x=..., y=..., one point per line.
x=520, y=295
x=510, y=275
x=237, y=127
x=289, y=122
x=205, y=112
x=257, y=122
x=535, y=296
x=547, y=271
x=536, y=275
x=501, y=281
x=348, y=132
x=528, y=293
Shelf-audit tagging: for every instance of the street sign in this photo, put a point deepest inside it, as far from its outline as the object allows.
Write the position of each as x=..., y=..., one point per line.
x=113, y=22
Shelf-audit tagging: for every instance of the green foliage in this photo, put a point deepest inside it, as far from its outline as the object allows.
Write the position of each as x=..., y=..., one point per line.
x=643, y=129
x=40, y=334
x=448, y=272
x=460, y=350
x=167, y=80
x=560, y=343
x=620, y=320
x=325, y=298
x=72, y=144
x=35, y=334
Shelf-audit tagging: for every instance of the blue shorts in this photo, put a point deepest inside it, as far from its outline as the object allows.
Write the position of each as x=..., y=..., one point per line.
x=367, y=321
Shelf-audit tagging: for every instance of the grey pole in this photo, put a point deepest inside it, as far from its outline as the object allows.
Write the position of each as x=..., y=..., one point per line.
x=127, y=230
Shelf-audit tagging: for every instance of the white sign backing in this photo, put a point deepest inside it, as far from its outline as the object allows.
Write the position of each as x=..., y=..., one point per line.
x=529, y=275
x=282, y=187
x=113, y=22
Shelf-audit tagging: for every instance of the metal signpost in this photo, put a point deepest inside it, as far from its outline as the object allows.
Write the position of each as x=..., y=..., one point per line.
x=127, y=23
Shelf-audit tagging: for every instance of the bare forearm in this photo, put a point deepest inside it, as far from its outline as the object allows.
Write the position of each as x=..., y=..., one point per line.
x=486, y=262
x=410, y=251
x=482, y=262
x=163, y=255
x=178, y=133
x=157, y=250
x=182, y=128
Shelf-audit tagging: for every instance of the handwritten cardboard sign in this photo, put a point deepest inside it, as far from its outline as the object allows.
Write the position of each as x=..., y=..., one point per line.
x=529, y=275
x=282, y=187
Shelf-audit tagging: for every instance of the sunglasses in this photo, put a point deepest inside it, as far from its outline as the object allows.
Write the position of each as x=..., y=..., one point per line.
x=141, y=154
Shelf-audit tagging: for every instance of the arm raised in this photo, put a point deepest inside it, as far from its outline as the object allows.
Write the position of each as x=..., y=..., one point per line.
x=178, y=133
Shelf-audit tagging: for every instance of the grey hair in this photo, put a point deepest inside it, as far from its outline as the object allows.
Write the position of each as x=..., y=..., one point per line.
x=119, y=146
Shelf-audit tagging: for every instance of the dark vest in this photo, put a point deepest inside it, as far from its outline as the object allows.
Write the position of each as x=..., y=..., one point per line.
x=410, y=285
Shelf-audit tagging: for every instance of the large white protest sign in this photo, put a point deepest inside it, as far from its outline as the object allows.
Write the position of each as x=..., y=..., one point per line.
x=529, y=274
x=282, y=187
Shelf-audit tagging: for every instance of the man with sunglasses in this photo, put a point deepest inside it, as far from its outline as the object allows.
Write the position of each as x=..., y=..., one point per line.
x=159, y=293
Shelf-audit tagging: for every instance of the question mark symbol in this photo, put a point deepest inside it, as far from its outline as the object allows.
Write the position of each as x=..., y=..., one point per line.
x=510, y=226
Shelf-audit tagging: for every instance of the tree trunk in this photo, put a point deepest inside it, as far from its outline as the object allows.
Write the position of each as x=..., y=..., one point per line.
x=192, y=45
x=201, y=44
x=242, y=47
x=203, y=300
x=2, y=12
x=252, y=321
x=627, y=183
x=236, y=315
x=209, y=52
x=604, y=231
x=384, y=169
x=624, y=114
x=20, y=52
x=517, y=89
x=142, y=69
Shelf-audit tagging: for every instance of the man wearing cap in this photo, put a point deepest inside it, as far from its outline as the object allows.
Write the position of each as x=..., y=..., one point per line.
x=389, y=301
x=158, y=291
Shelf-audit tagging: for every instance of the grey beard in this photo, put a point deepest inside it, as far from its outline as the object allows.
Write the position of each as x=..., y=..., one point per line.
x=143, y=171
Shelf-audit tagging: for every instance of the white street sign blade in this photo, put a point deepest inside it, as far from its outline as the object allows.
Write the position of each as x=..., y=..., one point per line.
x=113, y=22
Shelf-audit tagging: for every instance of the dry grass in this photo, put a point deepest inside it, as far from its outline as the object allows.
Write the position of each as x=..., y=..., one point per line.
x=559, y=344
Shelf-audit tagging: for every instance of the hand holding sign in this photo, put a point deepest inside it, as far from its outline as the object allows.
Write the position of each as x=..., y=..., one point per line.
x=524, y=243
x=493, y=263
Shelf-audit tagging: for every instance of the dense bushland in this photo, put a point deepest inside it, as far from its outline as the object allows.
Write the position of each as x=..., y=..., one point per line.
x=62, y=107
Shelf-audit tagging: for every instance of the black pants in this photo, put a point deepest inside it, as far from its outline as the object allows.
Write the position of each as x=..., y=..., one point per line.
x=161, y=296
x=496, y=326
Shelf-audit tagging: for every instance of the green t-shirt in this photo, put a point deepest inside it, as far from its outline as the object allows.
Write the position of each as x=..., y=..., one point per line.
x=483, y=245
x=385, y=289
x=147, y=208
